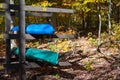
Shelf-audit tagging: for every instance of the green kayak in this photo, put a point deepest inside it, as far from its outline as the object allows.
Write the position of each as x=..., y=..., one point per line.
x=44, y=55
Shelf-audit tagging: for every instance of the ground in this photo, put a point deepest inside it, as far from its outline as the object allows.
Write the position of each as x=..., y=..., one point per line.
x=87, y=64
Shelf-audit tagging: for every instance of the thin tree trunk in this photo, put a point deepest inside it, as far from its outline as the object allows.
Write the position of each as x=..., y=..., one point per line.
x=83, y=21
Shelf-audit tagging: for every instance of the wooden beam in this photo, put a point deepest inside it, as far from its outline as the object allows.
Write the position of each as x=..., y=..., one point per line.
x=33, y=14
x=21, y=39
x=48, y=9
x=7, y=29
x=39, y=9
x=29, y=36
x=38, y=14
x=29, y=14
x=33, y=64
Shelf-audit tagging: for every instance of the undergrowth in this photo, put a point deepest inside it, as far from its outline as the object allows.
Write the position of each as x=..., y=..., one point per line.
x=116, y=31
x=91, y=39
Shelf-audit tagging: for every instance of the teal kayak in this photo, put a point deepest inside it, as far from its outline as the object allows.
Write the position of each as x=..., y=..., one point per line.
x=44, y=55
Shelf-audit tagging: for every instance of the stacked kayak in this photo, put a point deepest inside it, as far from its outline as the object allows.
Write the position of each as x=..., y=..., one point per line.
x=37, y=29
x=33, y=53
x=38, y=54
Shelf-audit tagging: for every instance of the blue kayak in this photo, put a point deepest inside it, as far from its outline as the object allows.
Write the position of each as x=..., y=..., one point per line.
x=37, y=29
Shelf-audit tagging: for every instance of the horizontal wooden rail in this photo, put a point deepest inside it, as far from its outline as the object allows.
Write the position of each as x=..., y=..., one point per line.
x=48, y=9
x=29, y=14
x=29, y=36
x=38, y=8
x=30, y=63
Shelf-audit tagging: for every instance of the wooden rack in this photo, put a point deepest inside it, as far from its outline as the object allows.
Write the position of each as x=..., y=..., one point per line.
x=21, y=11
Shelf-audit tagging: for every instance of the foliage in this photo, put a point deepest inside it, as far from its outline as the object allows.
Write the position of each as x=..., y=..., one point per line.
x=61, y=45
x=85, y=9
x=33, y=44
x=92, y=40
x=57, y=76
x=52, y=47
x=86, y=13
x=1, y=1
x=1, y=35
x=116, y=31
x=2, y=48
x=43, y=4
x=88, y=64
x=1, y=24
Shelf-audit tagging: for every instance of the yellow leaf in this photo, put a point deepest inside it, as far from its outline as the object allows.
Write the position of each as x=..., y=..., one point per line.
x=1, y=5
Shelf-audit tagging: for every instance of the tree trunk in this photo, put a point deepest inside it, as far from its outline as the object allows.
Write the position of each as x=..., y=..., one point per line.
x=83, y=21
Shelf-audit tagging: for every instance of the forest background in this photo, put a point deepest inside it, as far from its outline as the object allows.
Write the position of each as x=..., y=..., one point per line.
x=85, y=23
x=85, y=17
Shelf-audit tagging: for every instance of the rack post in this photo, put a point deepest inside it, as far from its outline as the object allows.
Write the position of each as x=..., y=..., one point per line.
x=7, y=29
x=22, y=74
